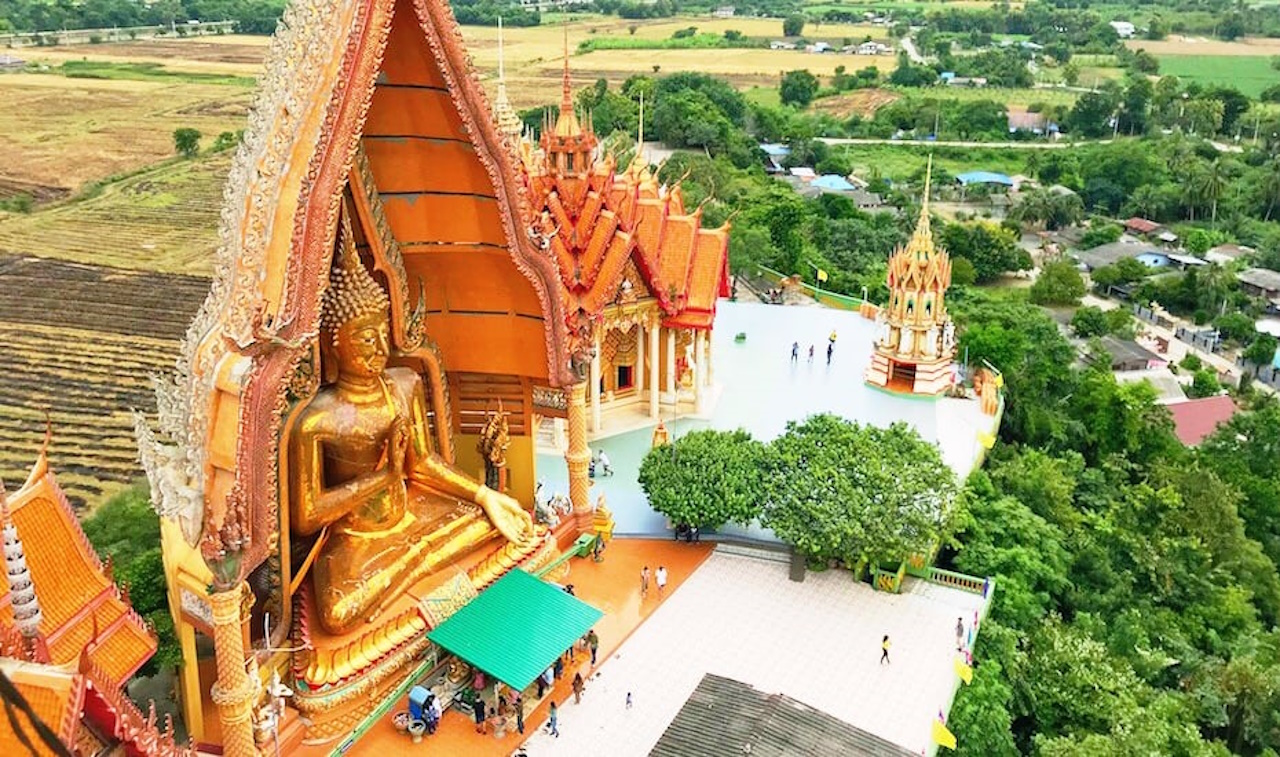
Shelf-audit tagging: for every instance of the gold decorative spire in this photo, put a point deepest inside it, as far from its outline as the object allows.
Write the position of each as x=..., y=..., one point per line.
x=638, y=162
x=352, y=291
x=508, y=121
x=921, y=242
x=567, y=124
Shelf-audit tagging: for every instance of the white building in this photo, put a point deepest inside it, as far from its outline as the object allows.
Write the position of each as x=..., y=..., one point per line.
x=1124, y=29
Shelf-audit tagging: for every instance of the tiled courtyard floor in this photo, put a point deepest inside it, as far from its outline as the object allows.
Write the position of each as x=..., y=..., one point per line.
x=816, y=641
x=612, y=586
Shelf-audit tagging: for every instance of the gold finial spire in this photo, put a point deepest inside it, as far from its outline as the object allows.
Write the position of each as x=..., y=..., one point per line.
x=928, y=179
x=921, y=242
x=638, y=161
x=566, y=95
x=501, y=70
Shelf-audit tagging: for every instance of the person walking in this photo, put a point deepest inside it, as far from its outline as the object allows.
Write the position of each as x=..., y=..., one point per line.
x=660, y=578
x=795, y=351
x=644, y=580
x=544, y=681
x=605, y=468
x=831, y=347
x=552, y=717
x=884, y=650
x=593, y=643
x=628, y=700
x=519, y=705
x=811, y=353
x=479, y=711
x=558, y=667
x=959, y=634
x=578, y=687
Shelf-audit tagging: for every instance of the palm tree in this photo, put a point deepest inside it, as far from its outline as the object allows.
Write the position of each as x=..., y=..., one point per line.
x=1148, y=201
x=1192, y=197
x=1270, y=185
x=1213, y=181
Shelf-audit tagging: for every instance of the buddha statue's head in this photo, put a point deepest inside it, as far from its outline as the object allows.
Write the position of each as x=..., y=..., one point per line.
x=356, y=318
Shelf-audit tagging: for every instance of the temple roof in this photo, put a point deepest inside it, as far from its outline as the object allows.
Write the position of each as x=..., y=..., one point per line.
x=920, y=265
x=55, y=695
x=82, y=608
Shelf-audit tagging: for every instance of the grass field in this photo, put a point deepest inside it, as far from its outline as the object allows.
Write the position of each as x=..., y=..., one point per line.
x=164, y=219
x=898, y=163
x=63, y=133
x=1250, y=74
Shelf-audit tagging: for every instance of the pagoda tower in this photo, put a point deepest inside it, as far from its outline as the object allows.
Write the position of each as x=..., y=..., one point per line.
x=915, y=339
x=508, y=121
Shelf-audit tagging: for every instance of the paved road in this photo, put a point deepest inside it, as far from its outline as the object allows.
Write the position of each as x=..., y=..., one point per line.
x=938, y=143
x=912, y=52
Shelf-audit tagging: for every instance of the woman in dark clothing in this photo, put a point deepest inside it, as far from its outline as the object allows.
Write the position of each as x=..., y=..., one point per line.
x=479, y=711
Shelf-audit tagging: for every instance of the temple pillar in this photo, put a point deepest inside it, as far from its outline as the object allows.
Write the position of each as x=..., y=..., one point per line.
x=708, y=373
x=595, y=386
x=639, y=377
x=189, y=680
x=671, y=364
x=700, y=361
x=233, y=693
x=579, y=455
x=653, y=371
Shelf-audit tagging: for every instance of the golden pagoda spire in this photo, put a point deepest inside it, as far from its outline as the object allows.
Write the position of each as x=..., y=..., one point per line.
x=567, y=124
x=921, y=242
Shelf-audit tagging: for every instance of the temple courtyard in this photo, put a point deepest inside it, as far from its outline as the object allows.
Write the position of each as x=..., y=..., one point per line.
x=737, y=616
x=759, y=388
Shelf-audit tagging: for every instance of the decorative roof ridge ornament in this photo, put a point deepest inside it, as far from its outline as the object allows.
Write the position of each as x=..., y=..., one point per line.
x=22, y=590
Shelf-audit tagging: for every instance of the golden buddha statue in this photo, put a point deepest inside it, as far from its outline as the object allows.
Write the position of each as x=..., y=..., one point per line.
x=362, y=474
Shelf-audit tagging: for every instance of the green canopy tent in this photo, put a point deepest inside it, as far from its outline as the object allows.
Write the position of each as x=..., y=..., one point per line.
x=516, y=629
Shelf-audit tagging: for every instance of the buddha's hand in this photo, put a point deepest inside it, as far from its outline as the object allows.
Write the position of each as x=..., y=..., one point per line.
x=506, y=515
x=397, y=447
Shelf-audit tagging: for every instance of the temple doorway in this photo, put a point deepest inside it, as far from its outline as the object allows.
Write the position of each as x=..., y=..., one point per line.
x=902, y=377
x=626, y=377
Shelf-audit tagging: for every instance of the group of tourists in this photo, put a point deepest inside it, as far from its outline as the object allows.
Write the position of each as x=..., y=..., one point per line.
x=831, y=349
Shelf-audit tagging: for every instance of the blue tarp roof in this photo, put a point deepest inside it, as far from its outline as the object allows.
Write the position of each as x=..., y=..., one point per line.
x=775, y=150
x=833, y=183
x=984, y=177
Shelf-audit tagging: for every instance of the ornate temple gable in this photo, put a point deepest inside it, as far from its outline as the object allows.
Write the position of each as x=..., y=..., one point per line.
x=220, y=416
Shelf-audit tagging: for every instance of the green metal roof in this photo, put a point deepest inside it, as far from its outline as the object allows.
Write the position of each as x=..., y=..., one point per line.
x=516, y=628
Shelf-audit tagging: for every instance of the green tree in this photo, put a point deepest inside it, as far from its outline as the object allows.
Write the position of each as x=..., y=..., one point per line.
x=793, y=25
x=1071, y=74
x=186, y=141
x=1211, y=184
x=1059, y=283
x=1204, y=383
x=706, y=478
x=834, y=489
x=1261, y=351
x=1092, y=113
x=1089, y=321
x=798, y=88
x=991, y=248
x=1100, y=234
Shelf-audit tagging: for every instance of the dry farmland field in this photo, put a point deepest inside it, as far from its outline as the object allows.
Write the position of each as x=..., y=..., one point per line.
x=80, y=344
x=61, y=133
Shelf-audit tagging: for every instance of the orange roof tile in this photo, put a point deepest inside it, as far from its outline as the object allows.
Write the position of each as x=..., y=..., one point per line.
x=708, y=276
x=74, y=593
x=677, y=250
x=55, y=695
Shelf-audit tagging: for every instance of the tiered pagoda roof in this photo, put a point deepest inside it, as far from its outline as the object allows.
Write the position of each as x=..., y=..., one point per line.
x=598, y=221
x=81, y=607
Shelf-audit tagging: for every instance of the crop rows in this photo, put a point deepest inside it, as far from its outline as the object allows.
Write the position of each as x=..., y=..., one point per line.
x=80, y=345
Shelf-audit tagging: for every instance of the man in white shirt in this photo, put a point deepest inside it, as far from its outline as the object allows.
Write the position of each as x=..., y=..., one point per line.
x=660, y=578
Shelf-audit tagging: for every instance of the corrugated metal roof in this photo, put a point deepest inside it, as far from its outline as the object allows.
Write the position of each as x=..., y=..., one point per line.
x=516, y=628
x=724, y=717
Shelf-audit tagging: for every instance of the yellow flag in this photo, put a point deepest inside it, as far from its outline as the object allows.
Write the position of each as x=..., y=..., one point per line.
x=822, y=275
x=963, y=670
x=942, y=736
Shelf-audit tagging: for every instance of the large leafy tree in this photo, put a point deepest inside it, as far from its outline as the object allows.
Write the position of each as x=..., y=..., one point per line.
x=835, y=489
x=798, y=88
x=991, y=248
x=705, y=478
x=1059, y=283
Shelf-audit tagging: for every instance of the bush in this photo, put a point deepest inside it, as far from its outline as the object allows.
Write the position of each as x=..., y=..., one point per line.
x=793, y=25
x=1192, y=362
x=1089, y=321
x=1204, y=384
x=1099, y=235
